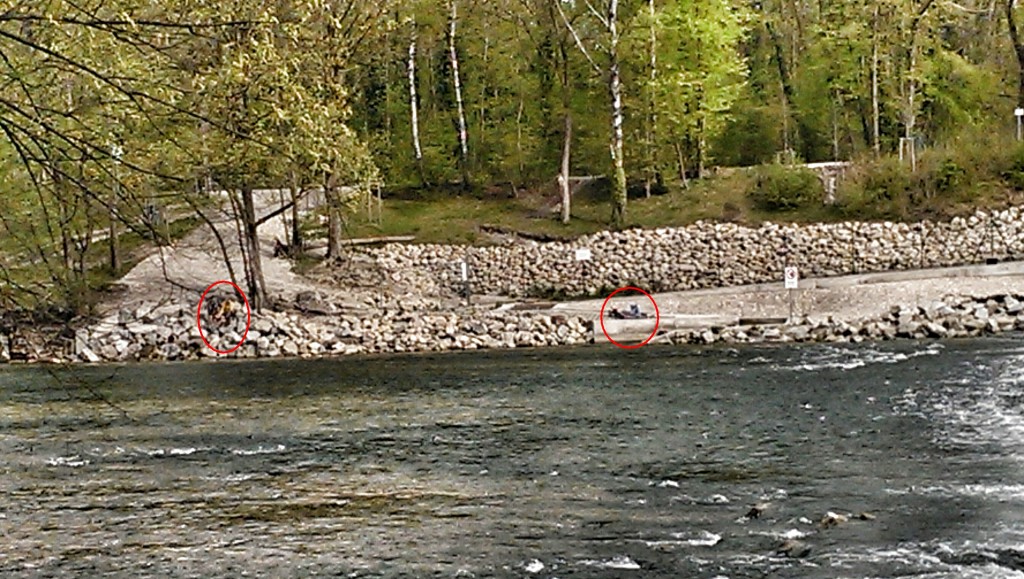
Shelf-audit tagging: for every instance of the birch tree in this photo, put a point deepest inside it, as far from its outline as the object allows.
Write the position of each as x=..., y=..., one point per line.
x=414, y=117
x=453, y=56
x=609, y=22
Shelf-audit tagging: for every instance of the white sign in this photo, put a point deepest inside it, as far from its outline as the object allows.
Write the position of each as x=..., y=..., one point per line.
x=792, y=278
x=1018, y=112
x=584, y=254
x=465, y=271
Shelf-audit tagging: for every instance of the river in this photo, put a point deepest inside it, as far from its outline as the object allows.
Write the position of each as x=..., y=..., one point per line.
x=588, y=462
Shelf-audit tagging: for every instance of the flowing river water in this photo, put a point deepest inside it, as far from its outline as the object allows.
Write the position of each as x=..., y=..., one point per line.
x=589, y=462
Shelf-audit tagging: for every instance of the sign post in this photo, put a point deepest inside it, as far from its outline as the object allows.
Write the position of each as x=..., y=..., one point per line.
x=792, y=283
x=583, y=257
x=465, y=279
x=1019, y=113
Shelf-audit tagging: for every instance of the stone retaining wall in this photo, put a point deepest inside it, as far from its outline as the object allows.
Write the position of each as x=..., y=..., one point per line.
x=699, y=256
x=706, y=255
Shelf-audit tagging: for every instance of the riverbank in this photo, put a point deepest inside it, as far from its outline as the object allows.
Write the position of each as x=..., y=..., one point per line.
x=403, y=298
x=827, y=310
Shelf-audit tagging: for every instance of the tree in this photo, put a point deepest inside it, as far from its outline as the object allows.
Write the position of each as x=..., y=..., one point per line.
x=414, y=117
x=251, y=94
x=453, y=57
x=1018, y=48
x=609, y=21
x=703, y=72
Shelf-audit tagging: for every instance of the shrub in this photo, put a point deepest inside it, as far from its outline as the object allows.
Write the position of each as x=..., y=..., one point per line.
x=948, y=177
x=876, y=189
x=1013, y=174
x=782, y=188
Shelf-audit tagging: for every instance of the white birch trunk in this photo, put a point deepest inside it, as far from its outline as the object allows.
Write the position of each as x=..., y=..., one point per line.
x=651, y=114
x=615, y=89
x=413, y=106
x=453, y=56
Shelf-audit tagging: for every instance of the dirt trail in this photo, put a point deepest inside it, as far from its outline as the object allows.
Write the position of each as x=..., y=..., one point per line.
x=180, y=273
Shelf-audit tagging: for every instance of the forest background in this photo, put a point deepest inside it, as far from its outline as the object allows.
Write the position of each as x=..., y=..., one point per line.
x=118, y=118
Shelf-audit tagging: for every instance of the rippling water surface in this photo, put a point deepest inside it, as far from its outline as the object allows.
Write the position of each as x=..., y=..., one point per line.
x=571, y=463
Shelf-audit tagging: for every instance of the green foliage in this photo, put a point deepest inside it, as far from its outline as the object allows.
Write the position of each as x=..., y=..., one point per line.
x=703, y=70
x=877, y=189
x=750, y=138
x=784, y=188
x=1014, y=173
x=975, y=169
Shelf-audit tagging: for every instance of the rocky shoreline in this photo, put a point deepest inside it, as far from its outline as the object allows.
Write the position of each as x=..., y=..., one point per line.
x=172, y=333
x=952, y=318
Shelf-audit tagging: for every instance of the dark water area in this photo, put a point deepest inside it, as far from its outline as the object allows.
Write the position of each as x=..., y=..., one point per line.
x=589, y=462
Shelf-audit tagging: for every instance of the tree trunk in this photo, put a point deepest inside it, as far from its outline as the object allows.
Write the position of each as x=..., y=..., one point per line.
x=785, y=81
x=619, y=199
x=454, y=58
x=876, y=137
x=115, y=253
x=333, y=219
x=115, y=250
x=681, y=164
x=1018, y=48
x=564, y=176
x=256, y=285
x=520, y=161
x=414, y=107
x=296, y=192
x=910, y=118
x=651, y=114
x=836, y=104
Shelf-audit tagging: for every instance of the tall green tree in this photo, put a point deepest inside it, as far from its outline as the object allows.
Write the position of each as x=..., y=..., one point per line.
x=702, y=73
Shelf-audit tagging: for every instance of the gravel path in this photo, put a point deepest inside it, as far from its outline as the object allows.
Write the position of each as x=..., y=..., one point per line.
x=181, y=272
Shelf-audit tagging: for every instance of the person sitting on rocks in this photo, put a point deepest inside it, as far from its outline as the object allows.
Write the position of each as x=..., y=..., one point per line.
x=226, y=309
x=220, y=309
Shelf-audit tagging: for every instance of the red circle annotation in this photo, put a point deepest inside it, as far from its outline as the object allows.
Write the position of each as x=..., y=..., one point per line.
x=657, y=318
x=248, y=316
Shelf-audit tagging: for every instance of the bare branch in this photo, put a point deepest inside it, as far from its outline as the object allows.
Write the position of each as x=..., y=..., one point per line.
x=600, y=17
x=579, y=43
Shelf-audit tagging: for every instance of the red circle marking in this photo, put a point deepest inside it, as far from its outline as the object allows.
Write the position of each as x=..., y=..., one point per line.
x=657, y=318
x=248, y=316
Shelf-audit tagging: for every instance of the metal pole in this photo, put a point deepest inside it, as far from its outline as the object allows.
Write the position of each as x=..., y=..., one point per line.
x=791, y=300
